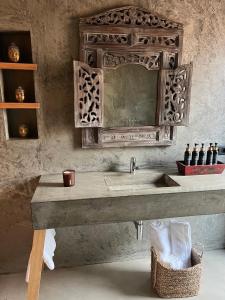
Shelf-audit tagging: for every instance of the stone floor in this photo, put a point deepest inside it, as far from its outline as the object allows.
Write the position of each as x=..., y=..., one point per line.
x=112, y=281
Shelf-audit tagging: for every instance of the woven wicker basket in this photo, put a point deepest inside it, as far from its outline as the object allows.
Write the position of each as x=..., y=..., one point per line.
x=169, y=283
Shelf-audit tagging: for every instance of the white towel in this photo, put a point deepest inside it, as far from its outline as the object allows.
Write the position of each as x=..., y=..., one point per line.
x=49, y=248
x=180, y=236
x=172, y=242
x=160, y=239
x=48, y=251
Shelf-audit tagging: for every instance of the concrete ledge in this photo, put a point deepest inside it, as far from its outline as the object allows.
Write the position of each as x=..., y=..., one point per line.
x=109, y=210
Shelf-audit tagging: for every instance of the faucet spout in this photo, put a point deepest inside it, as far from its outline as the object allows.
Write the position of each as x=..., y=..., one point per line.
x=133, y=166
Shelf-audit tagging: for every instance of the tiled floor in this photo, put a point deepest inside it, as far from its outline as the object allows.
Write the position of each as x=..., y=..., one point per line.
x=114, y=281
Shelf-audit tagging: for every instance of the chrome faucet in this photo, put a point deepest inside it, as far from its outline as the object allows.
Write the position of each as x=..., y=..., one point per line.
x=133, y=166
x=139, y=227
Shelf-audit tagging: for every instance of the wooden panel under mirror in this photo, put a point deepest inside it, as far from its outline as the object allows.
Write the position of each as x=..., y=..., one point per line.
x=130, y=88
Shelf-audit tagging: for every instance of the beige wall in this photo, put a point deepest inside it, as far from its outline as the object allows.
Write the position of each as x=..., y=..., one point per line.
x=54, y=29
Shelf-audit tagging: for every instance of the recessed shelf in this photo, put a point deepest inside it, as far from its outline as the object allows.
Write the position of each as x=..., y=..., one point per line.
x=14, y=105
x=22, y=40
x=13, y=79
x=17, y=66
x=17, y=116
x=12, y=139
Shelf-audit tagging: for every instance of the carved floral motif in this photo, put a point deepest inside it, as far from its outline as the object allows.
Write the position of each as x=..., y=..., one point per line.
x=126, y=16
x=89, y=93
x=91, y=57
x=176, y=95
x=123, y=135
x=158, y=40
x=101, y=38
x=130, y=35
x=172, y=60
x=149, y=61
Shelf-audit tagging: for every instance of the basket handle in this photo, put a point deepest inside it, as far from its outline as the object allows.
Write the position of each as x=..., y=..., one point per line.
x=199, y=247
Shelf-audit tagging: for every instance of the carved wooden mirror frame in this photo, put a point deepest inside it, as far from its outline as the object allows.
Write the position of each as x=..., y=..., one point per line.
x=130, y=35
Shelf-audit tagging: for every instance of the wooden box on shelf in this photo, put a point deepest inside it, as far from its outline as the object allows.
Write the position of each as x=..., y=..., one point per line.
x=14, y=74
x=200, y=169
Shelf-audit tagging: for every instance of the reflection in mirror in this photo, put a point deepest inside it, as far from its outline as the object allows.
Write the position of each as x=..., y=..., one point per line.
x=130, y=96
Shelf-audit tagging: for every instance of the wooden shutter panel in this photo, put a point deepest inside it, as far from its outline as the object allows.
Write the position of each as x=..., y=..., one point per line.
x=88, y=95
x=174, y=96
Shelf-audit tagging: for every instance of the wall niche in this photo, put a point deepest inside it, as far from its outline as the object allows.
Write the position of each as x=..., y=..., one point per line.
x=17, y=79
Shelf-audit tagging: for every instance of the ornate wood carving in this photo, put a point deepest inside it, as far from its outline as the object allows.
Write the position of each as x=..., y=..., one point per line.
x=150, y=61
x=130, y=35
x=136, y=136
x=170, y=60
x=174, y=99
x=88, y=83
x=131, y=16
x=91, y=57
x=169, y=41
x=128, y=137
x=109, y=38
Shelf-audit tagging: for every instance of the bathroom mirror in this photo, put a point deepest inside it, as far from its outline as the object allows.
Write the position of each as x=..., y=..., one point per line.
x=129, y=86
x=130, y=96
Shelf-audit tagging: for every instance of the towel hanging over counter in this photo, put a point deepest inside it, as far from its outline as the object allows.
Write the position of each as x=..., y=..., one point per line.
x=48, y=251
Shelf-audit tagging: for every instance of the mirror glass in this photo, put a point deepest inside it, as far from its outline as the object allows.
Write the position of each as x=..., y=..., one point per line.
x=130, y=96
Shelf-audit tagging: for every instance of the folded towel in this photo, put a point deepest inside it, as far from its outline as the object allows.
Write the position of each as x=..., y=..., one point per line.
x=160, y=239
x=180, y=236
x=172, y=241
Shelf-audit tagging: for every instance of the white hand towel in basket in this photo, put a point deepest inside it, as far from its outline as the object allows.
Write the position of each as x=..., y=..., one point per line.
x=172, y=241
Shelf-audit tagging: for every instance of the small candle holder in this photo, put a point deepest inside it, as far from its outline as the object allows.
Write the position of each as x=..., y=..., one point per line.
x=69, y=178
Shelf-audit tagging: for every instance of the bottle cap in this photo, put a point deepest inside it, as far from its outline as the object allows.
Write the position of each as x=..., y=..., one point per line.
x=195, y=148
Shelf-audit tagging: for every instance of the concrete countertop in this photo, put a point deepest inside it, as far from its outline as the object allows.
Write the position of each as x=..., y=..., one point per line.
x=92, y=201
x=91, y=185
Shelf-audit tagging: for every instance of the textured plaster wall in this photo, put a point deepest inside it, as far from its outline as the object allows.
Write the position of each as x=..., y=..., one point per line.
x=54, y=29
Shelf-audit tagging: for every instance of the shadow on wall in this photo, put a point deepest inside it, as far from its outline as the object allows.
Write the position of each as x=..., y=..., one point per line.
x=15, y=224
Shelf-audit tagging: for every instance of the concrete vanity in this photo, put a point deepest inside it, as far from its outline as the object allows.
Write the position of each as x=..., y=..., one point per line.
x=108, y=197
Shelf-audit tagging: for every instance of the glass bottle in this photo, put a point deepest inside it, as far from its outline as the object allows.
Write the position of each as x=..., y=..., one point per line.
x=215, y=154
x=201, y=158
x=194, y=159
x=187, y=156
x=209, y=157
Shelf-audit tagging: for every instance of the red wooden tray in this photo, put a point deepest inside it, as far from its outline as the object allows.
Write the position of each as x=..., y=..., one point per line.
x=201, y=169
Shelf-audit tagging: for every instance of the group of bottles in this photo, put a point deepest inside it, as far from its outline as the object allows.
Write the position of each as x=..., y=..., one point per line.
x=197, y=157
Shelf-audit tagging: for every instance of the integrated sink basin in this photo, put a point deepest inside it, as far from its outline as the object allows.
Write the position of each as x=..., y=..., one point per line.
x=121, y=181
